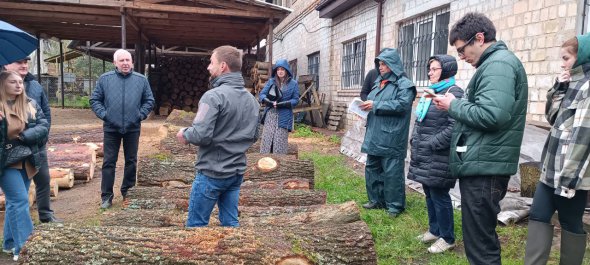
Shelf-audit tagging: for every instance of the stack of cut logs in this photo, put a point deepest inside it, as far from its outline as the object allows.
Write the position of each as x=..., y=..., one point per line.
x=71, y=156
x=283, y=220
x=260, y=74
x=183, y=80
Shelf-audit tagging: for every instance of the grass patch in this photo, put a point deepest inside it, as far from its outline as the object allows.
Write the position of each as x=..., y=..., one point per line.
x=305, y=131
x=72, y=102
x=395, y=241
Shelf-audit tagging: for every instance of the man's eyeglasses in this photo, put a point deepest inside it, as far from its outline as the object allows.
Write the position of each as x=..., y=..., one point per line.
x=461, y=49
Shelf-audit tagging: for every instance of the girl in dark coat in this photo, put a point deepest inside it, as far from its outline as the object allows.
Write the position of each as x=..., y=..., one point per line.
x=429, y=162
x=22, y=123
x=280, y=95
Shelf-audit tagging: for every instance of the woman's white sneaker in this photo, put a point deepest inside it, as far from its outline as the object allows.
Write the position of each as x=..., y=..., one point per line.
x=15, y=258
x=427, y=237
x=440, y=246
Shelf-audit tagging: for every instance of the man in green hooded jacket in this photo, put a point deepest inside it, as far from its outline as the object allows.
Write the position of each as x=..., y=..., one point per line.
x=487, y=135
x=389, y=104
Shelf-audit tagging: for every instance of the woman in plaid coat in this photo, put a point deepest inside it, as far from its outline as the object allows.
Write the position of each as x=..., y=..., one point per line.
x=565, y=178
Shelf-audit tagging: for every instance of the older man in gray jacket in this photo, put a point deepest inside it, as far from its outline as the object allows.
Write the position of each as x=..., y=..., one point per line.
x=122, y=99
x=225, y=126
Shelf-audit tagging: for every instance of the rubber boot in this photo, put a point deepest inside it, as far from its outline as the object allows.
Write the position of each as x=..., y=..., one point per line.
x=538, y=243
x=572, y=248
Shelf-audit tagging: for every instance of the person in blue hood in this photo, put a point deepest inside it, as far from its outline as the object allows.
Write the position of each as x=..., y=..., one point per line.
x=389, y=104
x=279, y=95
x=565, y=178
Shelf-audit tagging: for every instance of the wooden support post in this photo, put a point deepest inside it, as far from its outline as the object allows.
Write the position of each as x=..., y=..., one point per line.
x=61, y=71
x=38, y=57
x=123, y=29
x=89, y=67
x=269, y=40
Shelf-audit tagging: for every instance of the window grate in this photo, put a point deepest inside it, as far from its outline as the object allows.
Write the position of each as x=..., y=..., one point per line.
x=353, y=64
x=420, y=38
x=313, y=67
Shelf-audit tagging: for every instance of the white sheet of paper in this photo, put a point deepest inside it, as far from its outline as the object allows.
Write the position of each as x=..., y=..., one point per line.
x=354, y=107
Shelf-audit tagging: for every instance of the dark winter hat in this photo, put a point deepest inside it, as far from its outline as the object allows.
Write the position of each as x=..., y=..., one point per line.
x=447, y=63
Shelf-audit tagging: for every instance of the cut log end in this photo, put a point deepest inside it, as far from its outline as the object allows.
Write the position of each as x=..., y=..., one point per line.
x=294, y=260
x=267, y=164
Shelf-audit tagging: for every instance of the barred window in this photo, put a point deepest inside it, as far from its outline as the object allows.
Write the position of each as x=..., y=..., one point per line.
x=293, y=66
x=353, y=63
x=285, y=3
x=420, y=38
x=313, y=67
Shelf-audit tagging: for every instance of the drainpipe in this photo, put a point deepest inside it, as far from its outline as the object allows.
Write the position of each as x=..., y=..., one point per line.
x=378, y=31
x=584, y=11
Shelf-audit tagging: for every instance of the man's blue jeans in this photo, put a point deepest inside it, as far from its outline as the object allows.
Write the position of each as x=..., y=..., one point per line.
x=206, y=192
x=17, y=220
x=440, y=213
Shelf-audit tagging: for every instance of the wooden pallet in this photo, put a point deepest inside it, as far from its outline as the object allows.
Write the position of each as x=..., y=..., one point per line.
x=335, y=117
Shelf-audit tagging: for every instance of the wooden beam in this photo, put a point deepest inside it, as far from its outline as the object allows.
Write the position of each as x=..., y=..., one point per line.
x=137, y=27
x=195, y=10
x=73, y=18
x=60, y=8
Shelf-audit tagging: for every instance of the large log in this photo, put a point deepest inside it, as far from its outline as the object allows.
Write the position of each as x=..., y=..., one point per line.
x=331, y=244
x=158, y=169
x=95, y=135
x=170, y=144
x=80, y=158
x=285, y=184
x=53, y=188
x=181, y=118
x=530, y=173
x=64, y=177
x=177, y=198
x=288, y=168
x=328, y=214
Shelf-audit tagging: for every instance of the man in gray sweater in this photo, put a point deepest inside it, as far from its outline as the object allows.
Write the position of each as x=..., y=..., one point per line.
x=225, y=126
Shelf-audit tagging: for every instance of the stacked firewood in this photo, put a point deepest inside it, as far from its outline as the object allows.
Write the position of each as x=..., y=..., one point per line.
x=67, y=162
x=283, y=220
x=260, y=74
x=183, y=81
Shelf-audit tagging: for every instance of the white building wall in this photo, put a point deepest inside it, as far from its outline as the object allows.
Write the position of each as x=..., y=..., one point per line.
x=533, y=29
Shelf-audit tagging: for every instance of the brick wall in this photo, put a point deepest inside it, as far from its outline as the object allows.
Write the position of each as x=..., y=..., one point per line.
x=533, y=29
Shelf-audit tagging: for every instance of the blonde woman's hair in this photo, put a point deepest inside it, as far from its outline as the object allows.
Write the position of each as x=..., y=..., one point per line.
x=21, y=106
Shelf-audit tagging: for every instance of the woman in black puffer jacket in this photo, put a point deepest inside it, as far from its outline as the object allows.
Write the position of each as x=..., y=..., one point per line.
x=430, y=143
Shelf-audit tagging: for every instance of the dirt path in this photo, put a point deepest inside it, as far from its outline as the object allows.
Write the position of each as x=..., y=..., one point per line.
x=81, y=204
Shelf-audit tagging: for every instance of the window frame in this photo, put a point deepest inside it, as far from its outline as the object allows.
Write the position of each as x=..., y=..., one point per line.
x=421, y=37
x=313, y=63
x=352, y=72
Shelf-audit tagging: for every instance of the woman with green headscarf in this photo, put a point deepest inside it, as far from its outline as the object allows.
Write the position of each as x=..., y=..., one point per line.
x=565, y=178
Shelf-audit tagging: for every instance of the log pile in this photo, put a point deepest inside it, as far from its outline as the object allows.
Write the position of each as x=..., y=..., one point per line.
x=81, y=158
x=183, y=81
x=260, y=74
x=159, y=169
x=283, y=220
x=349, y=243
x=94, y=135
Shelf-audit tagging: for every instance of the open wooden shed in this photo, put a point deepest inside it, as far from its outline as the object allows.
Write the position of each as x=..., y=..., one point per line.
x=154, y=31
x=202, y=24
